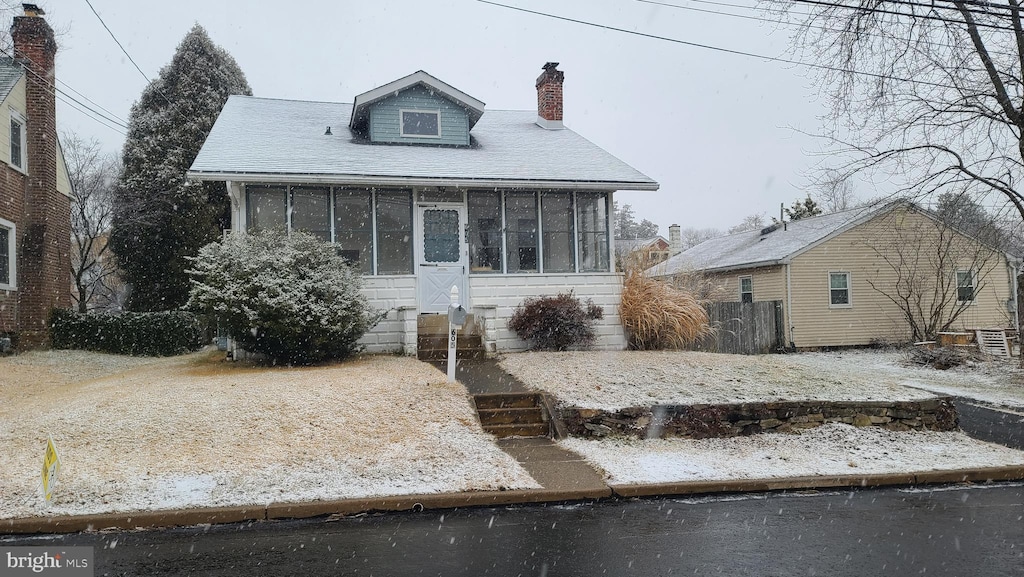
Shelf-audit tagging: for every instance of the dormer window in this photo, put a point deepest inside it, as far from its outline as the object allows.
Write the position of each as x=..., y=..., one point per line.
x=421, y=123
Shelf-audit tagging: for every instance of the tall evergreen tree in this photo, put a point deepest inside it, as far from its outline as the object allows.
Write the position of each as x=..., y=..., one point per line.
x=161, y=216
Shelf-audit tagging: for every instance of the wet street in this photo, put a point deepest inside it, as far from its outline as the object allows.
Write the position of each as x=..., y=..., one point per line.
x=928, y=531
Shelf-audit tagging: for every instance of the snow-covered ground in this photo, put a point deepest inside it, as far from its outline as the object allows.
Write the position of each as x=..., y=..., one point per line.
x=831, y=449
x=190, y=431
x=615, y=380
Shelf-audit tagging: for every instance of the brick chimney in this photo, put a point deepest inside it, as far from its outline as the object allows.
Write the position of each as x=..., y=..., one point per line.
x=45, y=229
x=549, y=97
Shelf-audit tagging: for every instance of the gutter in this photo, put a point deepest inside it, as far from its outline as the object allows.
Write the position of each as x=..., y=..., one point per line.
x=277, y=178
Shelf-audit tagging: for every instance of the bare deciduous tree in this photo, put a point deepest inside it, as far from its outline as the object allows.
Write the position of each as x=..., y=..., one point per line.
x=93, y=269
x=751, y=222
x=932, y=272
x=833, y=192
x=928, y=94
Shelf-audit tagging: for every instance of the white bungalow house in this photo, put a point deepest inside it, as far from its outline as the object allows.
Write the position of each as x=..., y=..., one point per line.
x=423, y=190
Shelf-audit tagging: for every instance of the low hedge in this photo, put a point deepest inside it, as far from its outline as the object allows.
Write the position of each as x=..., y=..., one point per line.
x=154, y=334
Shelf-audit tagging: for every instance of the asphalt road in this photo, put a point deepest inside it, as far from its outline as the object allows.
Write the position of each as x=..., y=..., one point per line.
x=1003, y=427
x=936, y=531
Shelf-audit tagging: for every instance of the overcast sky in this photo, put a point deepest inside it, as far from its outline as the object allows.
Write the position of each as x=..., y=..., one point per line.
x=717, y=130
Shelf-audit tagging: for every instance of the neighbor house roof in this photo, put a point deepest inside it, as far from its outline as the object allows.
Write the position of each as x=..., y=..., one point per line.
x=361, y=106
x=631, y=244
x=769, y=246
x=10, y=73
x=269, y=140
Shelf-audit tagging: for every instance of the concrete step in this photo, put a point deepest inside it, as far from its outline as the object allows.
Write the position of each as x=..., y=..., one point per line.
x=439, y=342
x=504, y=431
x=506, y=400
x=461, y=354
x=438, y=325
x=511, y=416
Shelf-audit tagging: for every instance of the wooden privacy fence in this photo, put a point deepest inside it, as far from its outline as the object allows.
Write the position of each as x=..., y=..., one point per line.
x=744, y=328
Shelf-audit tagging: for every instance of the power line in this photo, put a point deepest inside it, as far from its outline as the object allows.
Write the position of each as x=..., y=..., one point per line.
x=107, y=28
x=897, y=13
x=119, y=45
x=720, y=49
x=774, y=21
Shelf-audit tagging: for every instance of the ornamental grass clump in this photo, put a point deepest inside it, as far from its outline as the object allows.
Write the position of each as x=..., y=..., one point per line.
x=289, y=297
x=656, y=315
x=556, y=323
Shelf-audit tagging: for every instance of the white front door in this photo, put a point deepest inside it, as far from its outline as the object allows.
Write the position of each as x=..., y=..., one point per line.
x=441, y=253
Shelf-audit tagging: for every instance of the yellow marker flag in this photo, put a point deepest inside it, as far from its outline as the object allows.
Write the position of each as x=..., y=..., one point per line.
x=51, y=465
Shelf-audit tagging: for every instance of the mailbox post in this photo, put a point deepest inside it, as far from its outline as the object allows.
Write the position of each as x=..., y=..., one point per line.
x=456, y=318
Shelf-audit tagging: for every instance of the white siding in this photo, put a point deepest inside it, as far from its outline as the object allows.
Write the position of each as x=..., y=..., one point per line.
x=495, y=297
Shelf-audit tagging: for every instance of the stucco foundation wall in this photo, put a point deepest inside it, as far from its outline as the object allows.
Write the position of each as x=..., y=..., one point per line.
x=493, y=298
x=397, y=296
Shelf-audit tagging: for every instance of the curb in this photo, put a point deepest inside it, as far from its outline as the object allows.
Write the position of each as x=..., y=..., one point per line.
x=203, y=516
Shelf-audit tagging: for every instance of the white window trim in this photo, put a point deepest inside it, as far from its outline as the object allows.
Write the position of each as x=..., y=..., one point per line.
x=12, y=255
x=401, y=122
x=974, y=286
x=20, y=118
x=849, y=289
x=751, y=279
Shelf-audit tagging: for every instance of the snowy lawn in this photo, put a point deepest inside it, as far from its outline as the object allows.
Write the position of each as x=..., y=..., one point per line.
x=193, y=431
x=615, y=380
x=831, y=449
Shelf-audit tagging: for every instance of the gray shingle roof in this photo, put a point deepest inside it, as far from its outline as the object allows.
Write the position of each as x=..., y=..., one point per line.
x=283, y=140
x=10, y=73
x=752, y=249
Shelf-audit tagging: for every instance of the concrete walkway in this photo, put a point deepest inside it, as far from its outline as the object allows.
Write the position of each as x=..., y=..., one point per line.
x=484, y=376
x=556, y=468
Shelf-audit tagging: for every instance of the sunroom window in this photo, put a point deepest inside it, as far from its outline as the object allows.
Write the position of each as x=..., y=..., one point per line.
x=311, y=211
x=558, y=230
x=394, y=232
x=353, y=227
x=484, y=232
x=521, y=231
x=267, y=208
x=593, y=220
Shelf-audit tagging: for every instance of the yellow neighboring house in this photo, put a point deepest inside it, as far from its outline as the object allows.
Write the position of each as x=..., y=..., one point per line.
x=890, y=272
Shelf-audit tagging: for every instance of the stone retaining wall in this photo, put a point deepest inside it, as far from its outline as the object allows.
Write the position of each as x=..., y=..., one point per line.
x=730, y=420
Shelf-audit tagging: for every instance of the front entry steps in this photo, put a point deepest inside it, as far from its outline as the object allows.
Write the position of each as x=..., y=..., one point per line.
x=432, y=339
x=512, y=414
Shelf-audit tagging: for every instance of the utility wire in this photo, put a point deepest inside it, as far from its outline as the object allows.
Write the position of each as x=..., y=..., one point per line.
x=779, y=22
x=119, y=45
x=720, y=49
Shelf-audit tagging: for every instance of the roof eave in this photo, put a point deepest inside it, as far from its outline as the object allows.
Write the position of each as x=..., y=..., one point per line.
x=370, y=180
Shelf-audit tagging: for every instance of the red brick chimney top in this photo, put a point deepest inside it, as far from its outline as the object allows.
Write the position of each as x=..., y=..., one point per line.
x=33, y=37
x=549, y=97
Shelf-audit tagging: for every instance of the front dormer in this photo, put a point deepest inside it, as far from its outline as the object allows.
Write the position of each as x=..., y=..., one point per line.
x=417, y=109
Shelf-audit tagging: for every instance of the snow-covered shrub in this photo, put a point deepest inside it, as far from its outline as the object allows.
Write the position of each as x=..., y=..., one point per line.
x=291, y=298
x=556, y=323
x=141, y=334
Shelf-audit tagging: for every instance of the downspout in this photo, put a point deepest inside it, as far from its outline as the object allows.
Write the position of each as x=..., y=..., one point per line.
x=789, y=305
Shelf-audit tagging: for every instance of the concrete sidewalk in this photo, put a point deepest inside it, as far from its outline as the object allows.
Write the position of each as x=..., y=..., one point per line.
x=555, y=468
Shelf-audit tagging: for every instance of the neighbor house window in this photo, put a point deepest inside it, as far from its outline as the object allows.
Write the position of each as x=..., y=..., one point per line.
x=311, y=211
x=964, y=286
x=746, y=289
x=521, y=231
x=353, y=227
x=593, y=222
x=484, y=232
x=839, y=289
x=558, y=232
x=267, y=207
x=394, y=232
x=17, y=140
x=421, y=123
x=8, y=273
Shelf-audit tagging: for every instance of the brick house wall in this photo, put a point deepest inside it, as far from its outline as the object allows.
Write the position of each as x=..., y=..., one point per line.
x=41, y=213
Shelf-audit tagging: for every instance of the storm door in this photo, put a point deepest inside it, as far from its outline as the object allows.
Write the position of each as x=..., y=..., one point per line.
x=441, y=255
